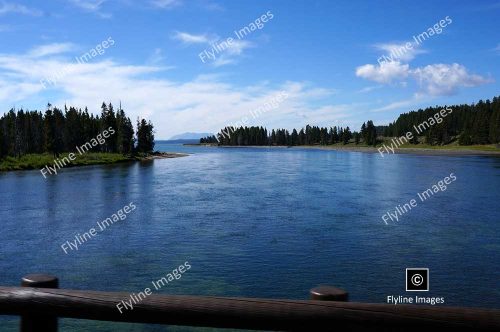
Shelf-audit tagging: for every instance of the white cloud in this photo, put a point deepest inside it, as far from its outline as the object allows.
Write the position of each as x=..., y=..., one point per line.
x=402, y=52
x=203, y=104
x=444, y=79
x=222, y=61
x=9, y=7
x=166, y=4
x=217, y=52
x=50, y=49
x=436, y=79
x=15, y=92
x=190, y=38
x=386, y=72
x=238, y=46
x=228, y=56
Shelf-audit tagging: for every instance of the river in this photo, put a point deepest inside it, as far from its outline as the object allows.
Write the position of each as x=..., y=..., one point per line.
x=258, y=222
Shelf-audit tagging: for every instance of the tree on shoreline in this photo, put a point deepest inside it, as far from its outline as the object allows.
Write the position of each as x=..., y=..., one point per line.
x=145, y=136
x=369, y=133
x=471, y=124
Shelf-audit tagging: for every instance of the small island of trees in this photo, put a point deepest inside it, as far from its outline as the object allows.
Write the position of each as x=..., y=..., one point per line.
x=30, y=138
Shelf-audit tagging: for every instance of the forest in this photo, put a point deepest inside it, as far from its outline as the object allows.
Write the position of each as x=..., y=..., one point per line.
x=309, y=135
x=56, y=131
x=468, y=124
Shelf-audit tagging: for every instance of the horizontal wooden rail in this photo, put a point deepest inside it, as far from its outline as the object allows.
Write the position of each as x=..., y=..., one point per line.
x=243, y=313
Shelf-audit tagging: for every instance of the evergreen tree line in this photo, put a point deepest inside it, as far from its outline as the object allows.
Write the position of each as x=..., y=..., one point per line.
x=469, y=124
x=56, y=131
x=310, y=135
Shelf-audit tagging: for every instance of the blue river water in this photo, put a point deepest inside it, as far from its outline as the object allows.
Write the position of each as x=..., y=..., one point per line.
x=258, y=222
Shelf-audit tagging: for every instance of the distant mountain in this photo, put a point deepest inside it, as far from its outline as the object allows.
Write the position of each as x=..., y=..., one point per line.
x=179, y=141
x=190, y=136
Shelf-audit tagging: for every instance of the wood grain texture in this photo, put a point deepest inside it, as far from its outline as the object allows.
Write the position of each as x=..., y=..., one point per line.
x=246, y=313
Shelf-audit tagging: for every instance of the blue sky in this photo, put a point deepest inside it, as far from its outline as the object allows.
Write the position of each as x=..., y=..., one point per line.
x=321, y=55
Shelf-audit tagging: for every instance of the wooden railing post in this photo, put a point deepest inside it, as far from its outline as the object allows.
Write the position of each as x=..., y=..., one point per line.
x=32, y=323
x=329, y=293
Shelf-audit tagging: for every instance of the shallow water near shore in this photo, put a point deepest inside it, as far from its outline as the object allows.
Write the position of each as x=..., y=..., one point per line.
x=258, y=222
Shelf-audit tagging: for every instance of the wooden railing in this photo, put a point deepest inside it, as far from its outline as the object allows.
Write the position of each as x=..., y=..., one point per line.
x=40, y=303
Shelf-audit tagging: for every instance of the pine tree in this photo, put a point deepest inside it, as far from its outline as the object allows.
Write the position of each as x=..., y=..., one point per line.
x=145, y=136
x=347, y=135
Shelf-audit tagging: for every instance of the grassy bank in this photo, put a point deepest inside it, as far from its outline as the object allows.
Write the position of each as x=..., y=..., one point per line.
x=38, y=161
x=489, y=147
x=450, y=149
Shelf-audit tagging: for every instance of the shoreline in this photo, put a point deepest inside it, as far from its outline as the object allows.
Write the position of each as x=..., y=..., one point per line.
x=164, y=155
x=438, y=151
x=38, y=161
x=405, y=150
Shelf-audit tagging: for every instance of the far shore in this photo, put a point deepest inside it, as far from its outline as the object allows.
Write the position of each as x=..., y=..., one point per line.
x=438, y=151
x=452, y=150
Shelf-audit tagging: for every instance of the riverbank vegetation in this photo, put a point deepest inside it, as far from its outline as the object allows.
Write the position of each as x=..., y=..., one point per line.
x=465, y=125
x=32, y=139
x=38, y=161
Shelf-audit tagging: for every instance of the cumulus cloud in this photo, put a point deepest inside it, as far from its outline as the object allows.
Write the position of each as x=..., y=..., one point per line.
x=386, y=72
x=444, y=79
x=435, y=79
